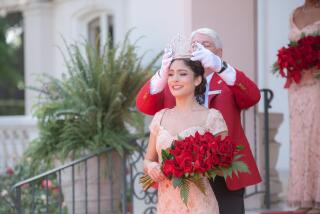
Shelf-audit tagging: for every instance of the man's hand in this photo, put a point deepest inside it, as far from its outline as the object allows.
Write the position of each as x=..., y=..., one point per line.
x=208, y=59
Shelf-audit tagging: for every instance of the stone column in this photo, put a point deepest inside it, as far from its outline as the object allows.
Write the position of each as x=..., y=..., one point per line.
x=275, y=119
x=256, y=201
x=38, y=47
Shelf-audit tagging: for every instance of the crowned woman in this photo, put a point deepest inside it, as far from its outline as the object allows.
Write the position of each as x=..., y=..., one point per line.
x=186, y=83
x=228, y=90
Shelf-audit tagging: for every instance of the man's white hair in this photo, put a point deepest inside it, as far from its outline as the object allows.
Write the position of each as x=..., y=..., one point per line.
x=211, y=33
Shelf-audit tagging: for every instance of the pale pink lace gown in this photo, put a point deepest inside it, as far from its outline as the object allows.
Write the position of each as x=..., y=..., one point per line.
x=304, y=105
x=169, y=200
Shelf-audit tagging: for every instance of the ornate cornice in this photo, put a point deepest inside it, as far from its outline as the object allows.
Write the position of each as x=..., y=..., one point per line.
x=17, y=5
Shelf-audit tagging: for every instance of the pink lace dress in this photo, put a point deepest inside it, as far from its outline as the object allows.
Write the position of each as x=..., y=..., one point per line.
x=304, y=106
x=169, y=200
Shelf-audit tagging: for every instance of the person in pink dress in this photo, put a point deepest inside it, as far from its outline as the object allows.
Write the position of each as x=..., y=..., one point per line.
x=228, y=90
x=304, y=106
x=186, y=82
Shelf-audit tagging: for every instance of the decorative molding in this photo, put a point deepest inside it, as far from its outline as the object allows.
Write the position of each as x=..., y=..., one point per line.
x=15, y=134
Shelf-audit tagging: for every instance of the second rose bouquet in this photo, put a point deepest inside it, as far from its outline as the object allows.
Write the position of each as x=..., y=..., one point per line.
x=298, y=56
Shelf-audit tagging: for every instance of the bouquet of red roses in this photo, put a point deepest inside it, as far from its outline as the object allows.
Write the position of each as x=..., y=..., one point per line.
x=300, y=55
x=191, y=159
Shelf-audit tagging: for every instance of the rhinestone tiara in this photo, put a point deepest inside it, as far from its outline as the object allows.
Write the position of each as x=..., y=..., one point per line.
x=180, y=47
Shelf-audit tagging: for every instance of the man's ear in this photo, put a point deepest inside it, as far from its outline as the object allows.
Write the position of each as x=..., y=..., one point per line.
x=219, y=52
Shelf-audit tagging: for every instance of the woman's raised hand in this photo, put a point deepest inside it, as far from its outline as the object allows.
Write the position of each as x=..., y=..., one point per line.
x=159, y=79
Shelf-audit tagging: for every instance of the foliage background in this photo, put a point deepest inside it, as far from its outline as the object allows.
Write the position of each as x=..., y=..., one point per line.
x=93, y=106
x=11, y=66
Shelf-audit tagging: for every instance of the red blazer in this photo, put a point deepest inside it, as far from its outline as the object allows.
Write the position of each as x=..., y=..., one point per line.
x=232, y=99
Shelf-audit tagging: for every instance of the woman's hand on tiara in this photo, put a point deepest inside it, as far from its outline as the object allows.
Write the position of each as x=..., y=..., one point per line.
x=165, y=64
x=206, y=57
x=159, y=79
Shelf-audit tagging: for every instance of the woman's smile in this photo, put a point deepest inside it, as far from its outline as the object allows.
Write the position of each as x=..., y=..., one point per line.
x=176, y=87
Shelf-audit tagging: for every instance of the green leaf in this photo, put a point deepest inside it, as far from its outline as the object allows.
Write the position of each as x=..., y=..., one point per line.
x=184, y=191
x=229, y=172
x=224, y=172
x=177, y=182
x=199, y=182
x=195, y=175
x=236, y=173
x=165, y=154
x=240, y=166
x=180, y=137
x=211, y=174
x=240, y=147
x=236, y=157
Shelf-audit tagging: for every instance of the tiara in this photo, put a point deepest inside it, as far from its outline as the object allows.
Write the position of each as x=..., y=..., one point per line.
x=179, y=47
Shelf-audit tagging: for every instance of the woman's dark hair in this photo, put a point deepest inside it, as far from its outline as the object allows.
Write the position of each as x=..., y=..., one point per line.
x=198, y=70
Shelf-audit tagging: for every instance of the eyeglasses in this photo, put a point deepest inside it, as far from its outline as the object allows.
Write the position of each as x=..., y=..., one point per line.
x=205, y=44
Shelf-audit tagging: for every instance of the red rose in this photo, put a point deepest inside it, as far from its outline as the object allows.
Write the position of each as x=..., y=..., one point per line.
x=225, y=161
x=178, y=172
x=10, y=171
x=214, y=159
x=25, y=186
x=168, y=167
x=201, y=166
x=184, y=161
x=46, y=183
x=226, y=147
x=203, y=149
x=56, y=190
x=176, y=151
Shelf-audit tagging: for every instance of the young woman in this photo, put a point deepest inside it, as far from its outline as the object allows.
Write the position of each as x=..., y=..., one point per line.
x=186, y=82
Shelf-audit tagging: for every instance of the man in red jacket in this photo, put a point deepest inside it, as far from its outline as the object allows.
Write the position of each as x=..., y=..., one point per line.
x=228, y=90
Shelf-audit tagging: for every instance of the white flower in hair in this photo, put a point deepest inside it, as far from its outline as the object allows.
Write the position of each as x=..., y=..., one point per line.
x=180, y=47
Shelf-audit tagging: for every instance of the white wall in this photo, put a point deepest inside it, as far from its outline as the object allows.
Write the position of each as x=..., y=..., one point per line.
x=273, y=30
x=234, y=21
x=70, y=20
x=47, y=24
x=158, y=21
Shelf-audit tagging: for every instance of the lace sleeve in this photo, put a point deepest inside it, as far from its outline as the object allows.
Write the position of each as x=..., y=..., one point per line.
x=155, y=122
x=216, y=123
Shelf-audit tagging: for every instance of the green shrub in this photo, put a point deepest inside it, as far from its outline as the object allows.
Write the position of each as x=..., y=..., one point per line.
x=93, y=107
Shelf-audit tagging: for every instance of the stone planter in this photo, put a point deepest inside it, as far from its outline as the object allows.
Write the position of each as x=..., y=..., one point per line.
x=110, y=186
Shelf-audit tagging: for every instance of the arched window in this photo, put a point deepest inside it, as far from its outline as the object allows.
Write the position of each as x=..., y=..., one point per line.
x=100, y=30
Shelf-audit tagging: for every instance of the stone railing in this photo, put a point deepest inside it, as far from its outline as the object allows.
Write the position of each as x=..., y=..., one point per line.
x=15, y=133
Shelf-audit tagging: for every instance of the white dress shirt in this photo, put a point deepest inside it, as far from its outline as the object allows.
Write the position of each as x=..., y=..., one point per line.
x=228, y=76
